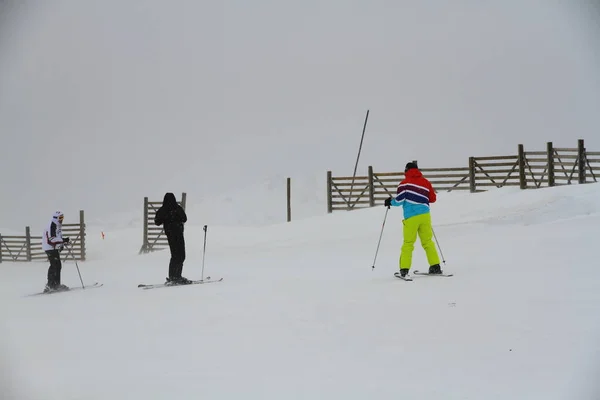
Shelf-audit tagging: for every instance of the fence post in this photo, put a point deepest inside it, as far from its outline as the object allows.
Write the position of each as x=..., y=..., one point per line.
x=145, y=241
x=581, y=161
x=82, y=234
x=28, y=242
x=371, y=187
x=329, y=194
x=550, y=162
x=472, y=183
x=289, y=199
x=522, y=175
x=183, y=199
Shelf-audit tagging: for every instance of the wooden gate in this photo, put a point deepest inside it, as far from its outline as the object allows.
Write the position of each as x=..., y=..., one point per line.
x=526, y=169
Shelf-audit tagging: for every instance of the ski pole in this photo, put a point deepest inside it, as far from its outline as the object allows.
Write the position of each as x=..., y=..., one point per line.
x=204, y=251
x=438, y=245
x=380, y=234
x=73, y=255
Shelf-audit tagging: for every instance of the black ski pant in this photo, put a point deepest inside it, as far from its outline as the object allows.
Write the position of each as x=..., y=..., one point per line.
x=55, y=267
x=177, y=246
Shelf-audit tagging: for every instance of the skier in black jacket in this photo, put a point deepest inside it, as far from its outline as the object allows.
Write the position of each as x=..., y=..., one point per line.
x=172, y=217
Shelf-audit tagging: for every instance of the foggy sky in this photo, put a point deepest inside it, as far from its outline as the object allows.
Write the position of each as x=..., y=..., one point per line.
x=103, y=103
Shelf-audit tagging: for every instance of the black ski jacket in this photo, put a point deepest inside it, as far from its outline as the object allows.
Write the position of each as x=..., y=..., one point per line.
x=171, y=215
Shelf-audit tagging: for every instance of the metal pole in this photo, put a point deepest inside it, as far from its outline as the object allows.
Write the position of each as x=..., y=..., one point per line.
x=73, y=255
x=358, y=156
x=380, y=235
x=289, y=199
x=204, y=251
x=438, y=245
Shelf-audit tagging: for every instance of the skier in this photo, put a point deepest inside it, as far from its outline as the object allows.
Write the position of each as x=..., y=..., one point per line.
x=52, y=244
x=415, y=194
x=172, y=216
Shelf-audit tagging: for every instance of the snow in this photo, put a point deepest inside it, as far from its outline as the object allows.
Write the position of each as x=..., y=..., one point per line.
x=301, y=313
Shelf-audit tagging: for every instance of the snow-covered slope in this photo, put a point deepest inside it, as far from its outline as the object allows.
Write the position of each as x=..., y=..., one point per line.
x=302, y=315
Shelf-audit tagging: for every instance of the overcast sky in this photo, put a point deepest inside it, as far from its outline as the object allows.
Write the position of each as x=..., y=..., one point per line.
x=105, y=102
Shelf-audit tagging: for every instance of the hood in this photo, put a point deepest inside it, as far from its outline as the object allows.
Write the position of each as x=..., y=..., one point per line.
x=413, y=173
x=169, y=200
x=56, y=215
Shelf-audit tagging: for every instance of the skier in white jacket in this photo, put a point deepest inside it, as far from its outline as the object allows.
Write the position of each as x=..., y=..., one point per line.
x=52, y=244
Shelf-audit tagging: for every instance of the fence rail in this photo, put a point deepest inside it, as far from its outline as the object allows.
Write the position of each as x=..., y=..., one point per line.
x=29, y=248
x=527, y=169
x=154, y=238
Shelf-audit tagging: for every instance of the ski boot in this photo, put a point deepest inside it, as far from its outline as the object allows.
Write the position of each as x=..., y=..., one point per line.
x=183, y=281
x=55, y=288
x=435, y=269
x=180, y=280
x=402, y=274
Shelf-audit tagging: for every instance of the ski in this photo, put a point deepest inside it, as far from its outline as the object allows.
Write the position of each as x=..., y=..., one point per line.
x=404, y=278
x=428, y=274
x=95, y=285
x=163, y=285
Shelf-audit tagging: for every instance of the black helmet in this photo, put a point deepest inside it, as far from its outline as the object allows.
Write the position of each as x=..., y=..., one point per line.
x=410, y=165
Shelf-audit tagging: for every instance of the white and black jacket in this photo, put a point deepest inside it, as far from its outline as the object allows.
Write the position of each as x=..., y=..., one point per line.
x=52, y=238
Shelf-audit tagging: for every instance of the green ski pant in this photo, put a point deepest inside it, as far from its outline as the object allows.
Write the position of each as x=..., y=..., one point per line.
x=413, y=226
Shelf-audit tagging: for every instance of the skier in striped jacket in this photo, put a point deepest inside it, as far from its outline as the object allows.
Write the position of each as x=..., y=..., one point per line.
x=415, y=194
x=52, y=244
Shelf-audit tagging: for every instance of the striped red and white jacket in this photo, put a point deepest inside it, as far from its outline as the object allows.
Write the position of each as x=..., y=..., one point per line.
x=414, y=194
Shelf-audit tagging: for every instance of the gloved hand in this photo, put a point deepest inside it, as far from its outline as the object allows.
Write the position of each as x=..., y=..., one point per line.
x=66, y=240
x=388, y=202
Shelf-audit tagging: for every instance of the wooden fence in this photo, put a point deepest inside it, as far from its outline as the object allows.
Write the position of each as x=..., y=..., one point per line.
x=29, y=248
x=154, y=238
x=527, y=170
